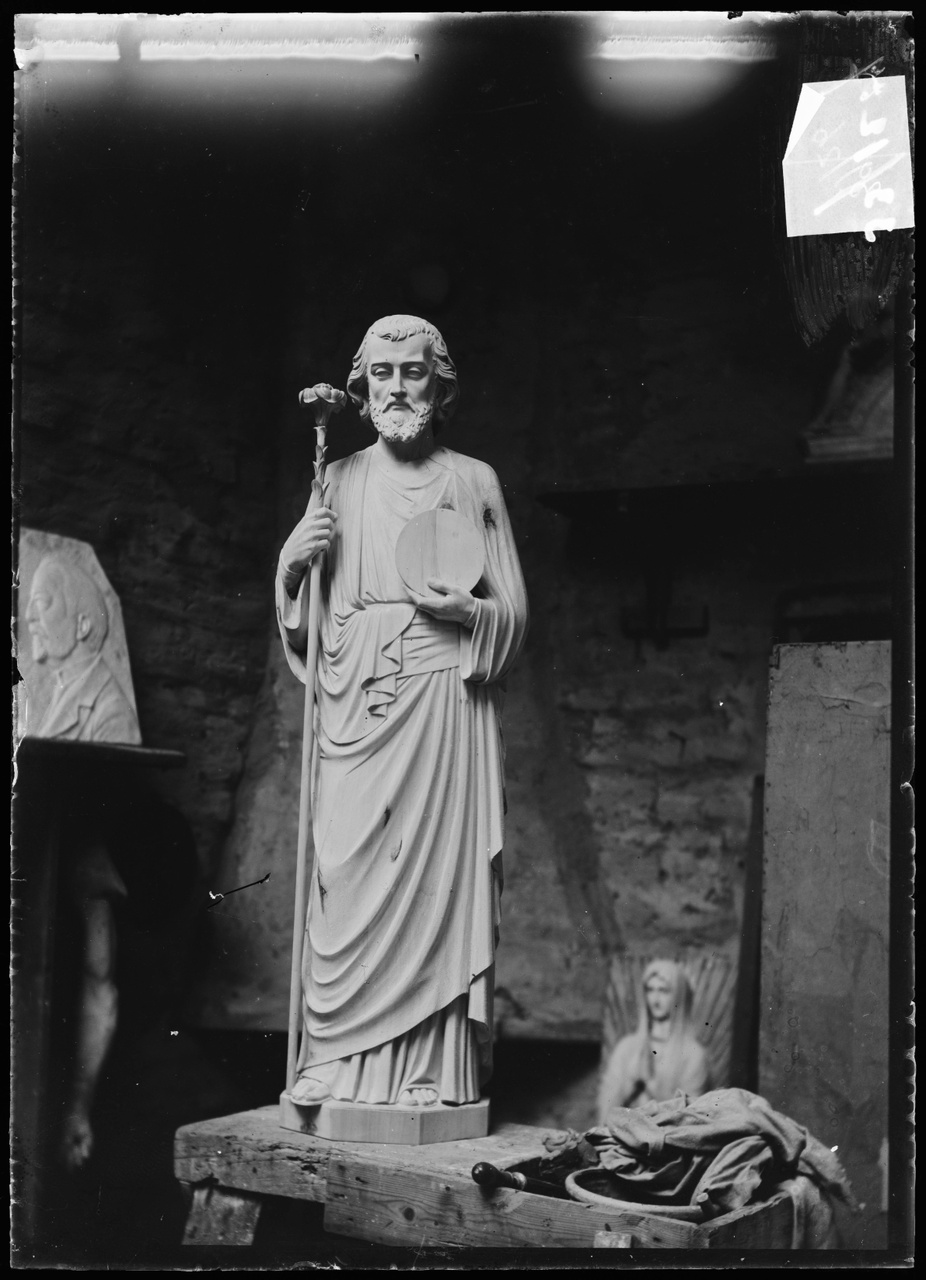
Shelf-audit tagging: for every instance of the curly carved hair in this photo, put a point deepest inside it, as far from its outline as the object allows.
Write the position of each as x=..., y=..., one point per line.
x=397, y=329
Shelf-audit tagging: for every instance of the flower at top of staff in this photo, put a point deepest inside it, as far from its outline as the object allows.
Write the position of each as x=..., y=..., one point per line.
x=322, y=391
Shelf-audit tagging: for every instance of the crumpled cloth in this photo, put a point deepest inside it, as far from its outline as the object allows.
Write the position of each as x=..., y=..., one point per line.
x=724, y=1150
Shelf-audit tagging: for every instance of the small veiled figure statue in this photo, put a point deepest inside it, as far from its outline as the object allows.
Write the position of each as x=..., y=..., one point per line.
x=408, y=792
x=663, y=1056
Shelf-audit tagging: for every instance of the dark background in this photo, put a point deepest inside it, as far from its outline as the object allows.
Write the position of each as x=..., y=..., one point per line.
x=197, y=242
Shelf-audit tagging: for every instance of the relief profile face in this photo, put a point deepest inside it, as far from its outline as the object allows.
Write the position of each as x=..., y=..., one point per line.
x=402, y=382
x=52, y=622
x=659, y=998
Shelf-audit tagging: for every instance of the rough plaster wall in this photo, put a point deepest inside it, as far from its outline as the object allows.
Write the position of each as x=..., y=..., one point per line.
x=669, y=742
x=686, y=379
x=130, y=439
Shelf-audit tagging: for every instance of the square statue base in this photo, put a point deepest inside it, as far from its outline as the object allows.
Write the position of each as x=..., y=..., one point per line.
x=373, y=1122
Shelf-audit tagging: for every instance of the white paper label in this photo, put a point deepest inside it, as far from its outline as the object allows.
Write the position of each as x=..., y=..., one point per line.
x=847, y=165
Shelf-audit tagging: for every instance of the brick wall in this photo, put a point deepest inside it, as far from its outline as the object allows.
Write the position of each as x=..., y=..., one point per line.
x=146, y=388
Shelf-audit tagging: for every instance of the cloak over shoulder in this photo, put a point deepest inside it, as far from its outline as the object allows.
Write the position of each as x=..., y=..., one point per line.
x=408, y=808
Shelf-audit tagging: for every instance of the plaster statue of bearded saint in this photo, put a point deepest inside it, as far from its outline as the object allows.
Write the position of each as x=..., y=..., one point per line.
x=408, y=795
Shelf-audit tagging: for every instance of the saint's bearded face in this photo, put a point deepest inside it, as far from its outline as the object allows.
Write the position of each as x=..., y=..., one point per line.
x=401, y=426
x=402, y=384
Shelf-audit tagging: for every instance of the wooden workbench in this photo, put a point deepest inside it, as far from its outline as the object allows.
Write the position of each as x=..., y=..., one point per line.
x=421, y=1196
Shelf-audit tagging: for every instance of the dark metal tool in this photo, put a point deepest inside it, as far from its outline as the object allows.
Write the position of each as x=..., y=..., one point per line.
x=486, y=1175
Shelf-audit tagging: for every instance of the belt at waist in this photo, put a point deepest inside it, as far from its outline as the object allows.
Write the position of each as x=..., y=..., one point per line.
x=429, y=645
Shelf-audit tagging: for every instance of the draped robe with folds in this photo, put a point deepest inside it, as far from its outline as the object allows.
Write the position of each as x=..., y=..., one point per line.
x=408, y=794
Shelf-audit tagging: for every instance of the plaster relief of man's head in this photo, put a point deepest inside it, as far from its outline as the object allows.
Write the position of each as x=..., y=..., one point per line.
x=66, y=614
x=403, y=378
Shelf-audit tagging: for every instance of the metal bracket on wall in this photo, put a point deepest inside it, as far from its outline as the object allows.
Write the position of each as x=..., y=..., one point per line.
x=661, y=621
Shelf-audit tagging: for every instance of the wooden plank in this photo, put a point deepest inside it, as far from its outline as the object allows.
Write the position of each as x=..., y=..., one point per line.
x=73, y=753
x=769, y=1225
x=391, y=1205
x=613, y=1240
x=511, y=1144
x=220, y=1216
x=426, y=1196
x=823, y=1022
x=251, y=1152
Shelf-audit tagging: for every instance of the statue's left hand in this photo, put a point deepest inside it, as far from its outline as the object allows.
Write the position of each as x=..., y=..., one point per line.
x=448, y=603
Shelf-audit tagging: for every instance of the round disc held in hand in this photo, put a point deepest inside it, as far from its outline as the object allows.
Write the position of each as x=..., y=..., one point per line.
x=443, y=545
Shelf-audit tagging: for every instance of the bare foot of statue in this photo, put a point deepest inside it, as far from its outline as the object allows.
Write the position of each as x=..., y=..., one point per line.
x=76, y=1140
x=309, y=1093
x=418, y=1097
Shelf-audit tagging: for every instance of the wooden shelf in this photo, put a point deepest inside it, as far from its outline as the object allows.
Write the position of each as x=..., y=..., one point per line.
x=62, y=751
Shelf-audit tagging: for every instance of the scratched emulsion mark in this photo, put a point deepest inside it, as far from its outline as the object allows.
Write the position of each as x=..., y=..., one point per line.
x=879, y=847
x=852, y=936
x=873, y=696
x=216, y=898
x=784, y=929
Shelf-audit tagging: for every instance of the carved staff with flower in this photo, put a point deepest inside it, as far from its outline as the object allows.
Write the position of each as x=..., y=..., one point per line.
x=307, y=544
